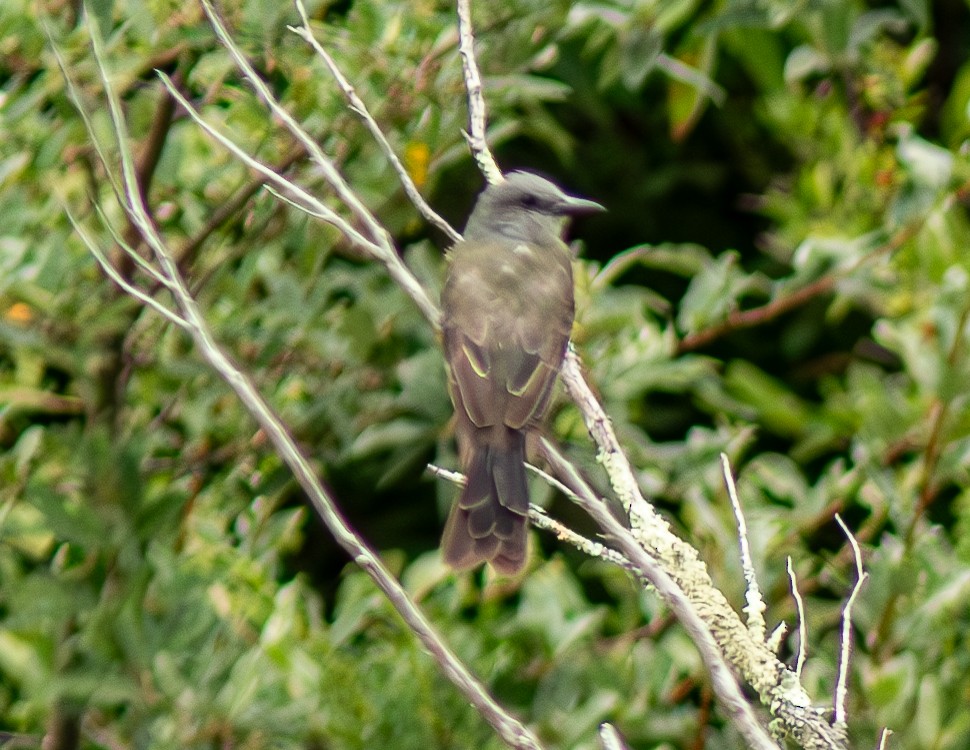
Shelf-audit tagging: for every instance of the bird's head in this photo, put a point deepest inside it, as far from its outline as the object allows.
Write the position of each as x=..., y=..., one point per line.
x=524, y=207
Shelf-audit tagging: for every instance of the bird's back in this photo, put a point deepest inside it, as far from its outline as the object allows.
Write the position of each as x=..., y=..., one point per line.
x=508, y=311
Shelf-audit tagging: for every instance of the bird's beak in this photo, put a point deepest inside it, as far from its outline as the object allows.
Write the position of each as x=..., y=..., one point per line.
x=580, y=206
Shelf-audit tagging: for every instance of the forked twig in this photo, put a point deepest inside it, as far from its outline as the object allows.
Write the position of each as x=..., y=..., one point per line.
x=360, y=109
x=375, y=240
x=305, y=201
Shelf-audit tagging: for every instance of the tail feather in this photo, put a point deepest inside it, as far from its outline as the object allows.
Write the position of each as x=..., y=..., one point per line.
x=508, y=477
x=488, y=523
x=506, y=524
x=481, y=520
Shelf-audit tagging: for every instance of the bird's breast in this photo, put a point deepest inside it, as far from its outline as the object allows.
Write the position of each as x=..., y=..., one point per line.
x=508, y=285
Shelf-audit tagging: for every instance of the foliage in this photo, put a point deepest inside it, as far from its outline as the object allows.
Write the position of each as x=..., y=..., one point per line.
x=783, y=277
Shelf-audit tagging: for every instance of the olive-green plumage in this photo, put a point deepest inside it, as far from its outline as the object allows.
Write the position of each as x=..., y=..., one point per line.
x=507, y=310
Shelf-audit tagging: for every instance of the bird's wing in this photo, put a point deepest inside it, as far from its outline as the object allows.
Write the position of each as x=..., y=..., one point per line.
x=505, y=331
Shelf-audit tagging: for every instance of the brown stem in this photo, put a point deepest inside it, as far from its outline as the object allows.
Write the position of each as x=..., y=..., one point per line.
x=703, y=716
x=186, y=254
x=63, y=730
x=112, y=376
x=740, y=319
x=939, y=411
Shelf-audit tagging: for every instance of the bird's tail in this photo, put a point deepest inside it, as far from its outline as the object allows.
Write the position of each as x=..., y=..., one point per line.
x=488, y=523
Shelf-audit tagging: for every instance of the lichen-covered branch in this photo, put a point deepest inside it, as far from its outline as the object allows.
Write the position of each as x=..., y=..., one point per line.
x=732, y=701
x=777, y=686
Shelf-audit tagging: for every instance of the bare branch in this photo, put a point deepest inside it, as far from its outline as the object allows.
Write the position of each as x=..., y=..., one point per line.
x=130, y=252
x=776, y=685
x=729, y=694
x=755, y=603
x=312, y=205
x=510, y=729
x=377, y=234
x=788, y=301
x=611, y=455
x=476, y=98
x=360, y=109
x=541, y=520
x=118, y=279
x=594, y=549
x=378, y=244
x=845, y=653
x=884, y=738
x=800, y=614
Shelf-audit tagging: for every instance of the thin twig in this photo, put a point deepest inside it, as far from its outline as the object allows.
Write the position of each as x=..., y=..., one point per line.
x=588, y=547
x=120, y=280
x=592, y=548
x=147, y=163
x=129, y=251
x=378, y=242
x=754, y=606
x=476, y=98
x=511, y=730
x=541, y=520
x=845, y=651
x=729, y=694
x=800, y=614
x=360, y=109
x=376, y=232
x=304, y=200
x=739, y=319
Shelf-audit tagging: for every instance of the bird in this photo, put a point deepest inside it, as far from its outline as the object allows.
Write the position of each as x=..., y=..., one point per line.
x=507, y=312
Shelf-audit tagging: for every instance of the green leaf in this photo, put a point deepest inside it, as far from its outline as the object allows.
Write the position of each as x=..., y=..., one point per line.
x=805, y=61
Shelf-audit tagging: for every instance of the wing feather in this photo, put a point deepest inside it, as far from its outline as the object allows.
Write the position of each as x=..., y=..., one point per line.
x=506, y=323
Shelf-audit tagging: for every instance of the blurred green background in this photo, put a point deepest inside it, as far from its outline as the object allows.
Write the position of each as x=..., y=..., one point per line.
x=783, y=275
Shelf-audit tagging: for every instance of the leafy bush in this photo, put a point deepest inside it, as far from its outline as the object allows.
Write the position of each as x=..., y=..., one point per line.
x=783, y=277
